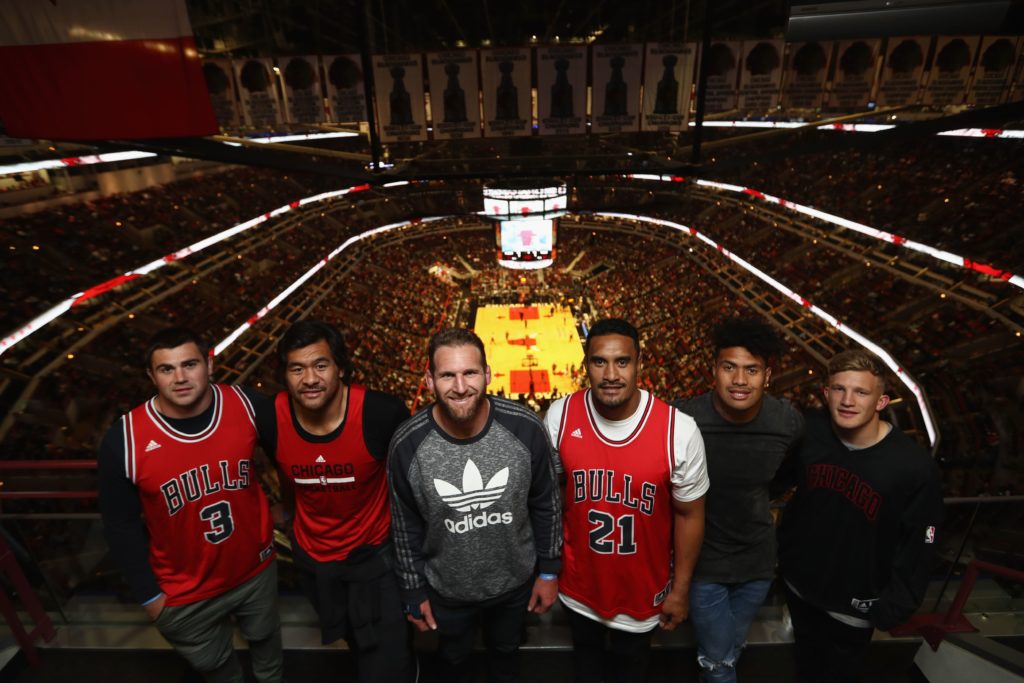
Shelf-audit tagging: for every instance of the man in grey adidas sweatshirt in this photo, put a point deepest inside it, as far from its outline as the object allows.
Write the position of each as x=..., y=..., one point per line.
x=476, y=516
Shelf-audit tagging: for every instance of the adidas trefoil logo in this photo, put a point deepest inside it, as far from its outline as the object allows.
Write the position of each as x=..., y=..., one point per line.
x=474, y=495
x=320, y=458
x=577, y=433
x=152, y=446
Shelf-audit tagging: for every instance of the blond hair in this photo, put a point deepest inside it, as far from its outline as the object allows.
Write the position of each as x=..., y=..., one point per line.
x=857, y=360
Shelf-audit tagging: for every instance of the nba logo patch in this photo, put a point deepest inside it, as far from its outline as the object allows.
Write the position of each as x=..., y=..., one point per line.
x=929, y=535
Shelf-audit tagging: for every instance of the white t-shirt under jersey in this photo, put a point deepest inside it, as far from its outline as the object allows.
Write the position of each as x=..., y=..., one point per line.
x=689, y=479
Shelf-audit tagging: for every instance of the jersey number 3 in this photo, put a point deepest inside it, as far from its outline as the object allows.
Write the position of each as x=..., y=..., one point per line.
x=222, y=525
x=603, y=529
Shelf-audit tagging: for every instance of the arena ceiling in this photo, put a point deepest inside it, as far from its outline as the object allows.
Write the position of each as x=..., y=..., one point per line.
x=251, y=27
x=240, y=28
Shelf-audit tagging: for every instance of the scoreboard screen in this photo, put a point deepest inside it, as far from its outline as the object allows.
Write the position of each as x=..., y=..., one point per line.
x=526, y=243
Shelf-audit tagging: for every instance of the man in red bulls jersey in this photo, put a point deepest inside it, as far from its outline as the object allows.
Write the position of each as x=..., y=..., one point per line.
x=331, y=445
x=185, y=518
x=857, y=541
x=635, y=481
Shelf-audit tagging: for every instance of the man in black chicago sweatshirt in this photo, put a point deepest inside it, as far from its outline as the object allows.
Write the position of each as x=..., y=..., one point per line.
x=858, y=539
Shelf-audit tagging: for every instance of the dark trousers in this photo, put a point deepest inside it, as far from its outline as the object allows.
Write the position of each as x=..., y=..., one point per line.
x=601, y=653
x=501, y=620
x=827, y=650
x=359, y=600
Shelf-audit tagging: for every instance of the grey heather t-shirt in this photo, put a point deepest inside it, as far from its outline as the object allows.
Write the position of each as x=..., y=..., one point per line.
x=474, y=518
x=742, y=459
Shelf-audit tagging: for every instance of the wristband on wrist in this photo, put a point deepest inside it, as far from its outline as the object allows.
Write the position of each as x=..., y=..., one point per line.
x=153, y=599
x=547, y=577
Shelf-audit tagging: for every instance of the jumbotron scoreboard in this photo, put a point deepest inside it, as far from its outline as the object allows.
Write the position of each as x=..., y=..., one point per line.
x=526, y=221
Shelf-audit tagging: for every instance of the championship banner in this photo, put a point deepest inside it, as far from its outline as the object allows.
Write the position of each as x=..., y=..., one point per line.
x=346, y=93
x=220, y=84
x=761, y=75
x=302, y=93
x=855, y=74
x=1017, y=87
x=950, y=69
x=991, y=83
x=900, y=81
x=505, y=74
x=454, y=94
x=255, y=79
x=401, y=113
x=723, y=65
x=615, y=72
x=668, y=80
x=562, y=89
x=806, y=73
x=101, y=69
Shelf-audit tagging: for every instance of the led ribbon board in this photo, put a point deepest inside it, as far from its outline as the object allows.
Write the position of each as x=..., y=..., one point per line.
x=302, y=279
x=63, y=307
x=920, y=247
x=891, y=363
x=506, y=203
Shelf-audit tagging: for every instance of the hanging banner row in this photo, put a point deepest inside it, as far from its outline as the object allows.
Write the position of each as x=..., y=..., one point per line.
x=468, y=93
x=620, y=88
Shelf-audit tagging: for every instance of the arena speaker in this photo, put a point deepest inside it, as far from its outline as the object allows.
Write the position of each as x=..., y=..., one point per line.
x=879, y=18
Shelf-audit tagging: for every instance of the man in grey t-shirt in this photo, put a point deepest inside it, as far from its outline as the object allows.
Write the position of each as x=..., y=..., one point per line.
x=747, y=435
x=476, y=517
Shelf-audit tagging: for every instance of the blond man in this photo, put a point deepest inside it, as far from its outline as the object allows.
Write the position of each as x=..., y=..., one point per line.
x=857, y=540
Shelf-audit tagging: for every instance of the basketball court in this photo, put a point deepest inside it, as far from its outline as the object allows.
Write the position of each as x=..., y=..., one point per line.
x=530, y=345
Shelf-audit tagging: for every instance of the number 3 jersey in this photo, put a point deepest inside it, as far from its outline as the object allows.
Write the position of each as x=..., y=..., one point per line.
x=208, y=520
x=620, y=478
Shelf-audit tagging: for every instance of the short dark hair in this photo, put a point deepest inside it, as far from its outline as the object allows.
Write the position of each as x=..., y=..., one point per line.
x=305, y=332
x=756, y=336
x=172, y=338
x=613, y=326
x=456, y=336
x=858, y=360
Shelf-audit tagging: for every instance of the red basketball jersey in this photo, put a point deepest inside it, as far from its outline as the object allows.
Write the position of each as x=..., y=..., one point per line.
x=341, y=490
x=617, y=558
x=209, y=523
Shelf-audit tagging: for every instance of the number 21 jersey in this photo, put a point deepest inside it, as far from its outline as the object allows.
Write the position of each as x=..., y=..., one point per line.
x=617, y=558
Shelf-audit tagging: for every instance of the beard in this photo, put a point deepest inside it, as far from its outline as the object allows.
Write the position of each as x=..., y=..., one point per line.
x=462, y=413
x=622, y=397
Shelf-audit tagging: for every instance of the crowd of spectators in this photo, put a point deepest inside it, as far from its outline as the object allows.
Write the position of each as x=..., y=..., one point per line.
x=958, y=194
x=390, y=304
x=90, y=242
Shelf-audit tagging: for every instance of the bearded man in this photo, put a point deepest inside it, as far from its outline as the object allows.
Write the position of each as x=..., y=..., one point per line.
x=476, y=518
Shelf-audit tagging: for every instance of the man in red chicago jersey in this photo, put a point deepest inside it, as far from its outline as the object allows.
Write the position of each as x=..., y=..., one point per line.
x=331, y=445
x=634, y=509
x=182, y=461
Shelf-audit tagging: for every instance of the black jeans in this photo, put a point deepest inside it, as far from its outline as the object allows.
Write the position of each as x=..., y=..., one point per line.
x=501, y=619
x=600, y=653
x=359, y=600
x=827, y=650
